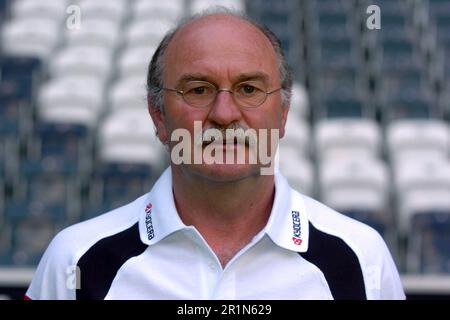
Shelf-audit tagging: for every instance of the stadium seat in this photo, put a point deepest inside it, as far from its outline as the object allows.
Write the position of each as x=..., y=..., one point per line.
x=128, y=136
x=299, y=101
x=421, y=186
x=418, y=139
x=31, y=236
x=5, y=244
x=36, y=37
x=357, y=187
x=134, y=62
x=347, y=138
x=65, y=145
x=76, y=100
x=128, y=93
x=12, y=113
x=416, y=106
x=296, y=168
x=96, y=33
x=46, y=189
x=200, y=5
x=117, y=183
x=49, y=9
x=82, y=60
x=150, y=9
x=113, y=10
x=429, y=243
x=147, y=33
x=297, y=135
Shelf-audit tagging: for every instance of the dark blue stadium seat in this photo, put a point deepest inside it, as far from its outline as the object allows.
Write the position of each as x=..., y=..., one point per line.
x=433, y=228
x=344, y=107
x=67, y=145
x=22, y=71
x=45, y=190
x=409, y=107
x=398, y=54
x=337, y=52
x=30, y=238
x=376, y=220
x=11, y=109
x=338, y=81
x=118, y=184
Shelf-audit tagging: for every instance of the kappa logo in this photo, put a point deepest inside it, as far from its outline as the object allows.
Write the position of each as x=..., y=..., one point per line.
x=296, y=228
x=148, y=221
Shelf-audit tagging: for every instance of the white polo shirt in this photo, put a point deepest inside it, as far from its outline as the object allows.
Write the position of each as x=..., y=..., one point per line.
x=144, y=251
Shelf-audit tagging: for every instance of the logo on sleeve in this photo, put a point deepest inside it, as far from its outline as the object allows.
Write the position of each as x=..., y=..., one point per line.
x=148, y=221
x=296, y=228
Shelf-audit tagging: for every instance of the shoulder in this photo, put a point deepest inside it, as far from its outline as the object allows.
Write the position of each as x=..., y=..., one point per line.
x=78, y=237
x=69, y=245
x=355, y=233
x=358, y=240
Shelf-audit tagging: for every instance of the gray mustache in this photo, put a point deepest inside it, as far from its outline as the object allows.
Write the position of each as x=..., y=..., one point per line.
x=231, y=134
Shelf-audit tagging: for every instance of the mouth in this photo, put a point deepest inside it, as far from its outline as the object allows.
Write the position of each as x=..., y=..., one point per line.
x=228, y=143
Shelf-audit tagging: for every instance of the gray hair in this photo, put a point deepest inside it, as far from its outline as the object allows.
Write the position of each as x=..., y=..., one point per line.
x=156, y=67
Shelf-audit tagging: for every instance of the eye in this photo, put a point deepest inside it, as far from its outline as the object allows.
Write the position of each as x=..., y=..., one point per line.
x=199, y=90
x=248, y=89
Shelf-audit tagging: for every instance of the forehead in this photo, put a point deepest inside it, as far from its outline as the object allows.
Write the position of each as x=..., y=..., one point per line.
x=219, y=46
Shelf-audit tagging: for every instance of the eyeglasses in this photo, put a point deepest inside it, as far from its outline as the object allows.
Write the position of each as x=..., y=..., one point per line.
x=201, y=94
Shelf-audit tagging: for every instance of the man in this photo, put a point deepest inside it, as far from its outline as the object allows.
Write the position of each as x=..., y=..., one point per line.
x=222, y=229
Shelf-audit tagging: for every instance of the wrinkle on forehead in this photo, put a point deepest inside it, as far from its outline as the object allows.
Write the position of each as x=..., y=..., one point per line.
x=221, y=38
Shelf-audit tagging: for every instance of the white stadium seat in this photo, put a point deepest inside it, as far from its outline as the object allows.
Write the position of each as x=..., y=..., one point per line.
x=76, y=100
x=200, y=5
x=82, y=60
x=128, y=136
x=297, y=134
x=94, y=32
x=418, y=139
x=135, y=61
x=111, y=10
x=343, y=138
x=148, y=9
x=30, y=37
x=128, y=93
x=299, y=100
x=147, y=32
x=45, y=9
x=354, y=184
x=421, y=186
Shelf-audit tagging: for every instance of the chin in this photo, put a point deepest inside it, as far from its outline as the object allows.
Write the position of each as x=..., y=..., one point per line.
x=225, y=172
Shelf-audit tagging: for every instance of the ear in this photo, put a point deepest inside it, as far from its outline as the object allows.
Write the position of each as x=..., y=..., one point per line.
x=284, y=115
x=159, y=121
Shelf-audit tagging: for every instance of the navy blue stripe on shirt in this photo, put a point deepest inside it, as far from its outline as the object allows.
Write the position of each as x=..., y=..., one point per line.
x=338, y=263
x=99, y=265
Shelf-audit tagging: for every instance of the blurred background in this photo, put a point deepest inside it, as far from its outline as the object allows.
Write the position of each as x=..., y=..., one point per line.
x=368, y=132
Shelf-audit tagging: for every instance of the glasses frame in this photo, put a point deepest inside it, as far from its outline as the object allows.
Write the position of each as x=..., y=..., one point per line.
x=218, y=90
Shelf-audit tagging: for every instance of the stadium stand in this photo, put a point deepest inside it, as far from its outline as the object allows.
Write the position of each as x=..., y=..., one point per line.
x=368, y=131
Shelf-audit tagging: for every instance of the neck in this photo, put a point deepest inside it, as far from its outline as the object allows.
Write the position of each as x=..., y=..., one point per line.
x=227, y=214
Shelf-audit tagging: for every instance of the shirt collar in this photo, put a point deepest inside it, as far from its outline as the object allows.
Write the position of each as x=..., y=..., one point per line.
x=287, y=225
x=159, y=217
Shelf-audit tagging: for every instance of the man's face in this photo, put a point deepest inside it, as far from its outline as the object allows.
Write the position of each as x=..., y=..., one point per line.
x=223, y=51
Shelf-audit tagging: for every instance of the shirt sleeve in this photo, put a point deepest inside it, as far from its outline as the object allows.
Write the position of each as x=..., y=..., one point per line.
x=56, y=275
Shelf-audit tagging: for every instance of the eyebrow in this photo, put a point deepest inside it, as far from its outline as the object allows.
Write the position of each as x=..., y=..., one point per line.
x=250, y=76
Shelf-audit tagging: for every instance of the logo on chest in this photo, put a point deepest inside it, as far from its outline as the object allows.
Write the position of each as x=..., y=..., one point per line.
x=148, y=221
x=296, y=228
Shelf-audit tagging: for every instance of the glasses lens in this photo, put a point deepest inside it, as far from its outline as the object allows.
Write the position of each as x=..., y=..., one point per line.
x=199, y=93
x=250, y=94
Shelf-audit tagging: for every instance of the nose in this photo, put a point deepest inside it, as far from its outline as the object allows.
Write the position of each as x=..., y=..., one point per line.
x=224, y=110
